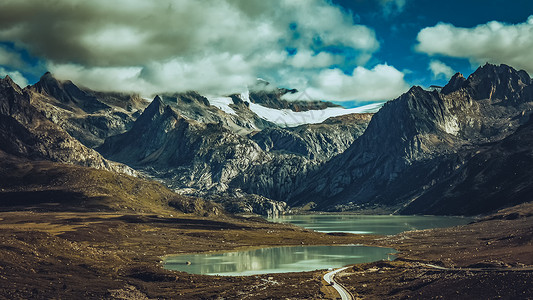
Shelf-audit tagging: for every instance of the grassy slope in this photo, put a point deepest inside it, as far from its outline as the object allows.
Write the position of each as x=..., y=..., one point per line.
x=54, y=186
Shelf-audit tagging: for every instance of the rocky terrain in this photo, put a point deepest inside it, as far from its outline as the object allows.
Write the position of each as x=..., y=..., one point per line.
x=202, y=151
x=418, y=154
x=437, y=152
x=25, y=132
x=196, y=147
x=86, y=115
x=75, y=225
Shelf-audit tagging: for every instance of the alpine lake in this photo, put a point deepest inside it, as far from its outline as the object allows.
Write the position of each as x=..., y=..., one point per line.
x=309, y=258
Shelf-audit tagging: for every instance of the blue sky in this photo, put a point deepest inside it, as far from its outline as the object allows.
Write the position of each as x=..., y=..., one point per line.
x=399, y=22
x=348, y=51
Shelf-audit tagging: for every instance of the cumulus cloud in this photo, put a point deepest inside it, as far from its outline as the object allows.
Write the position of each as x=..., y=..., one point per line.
x=383, y=82
x=10, y=58
x=212, y=46
x=492, y=42
x=440, y=69
x=17, y=77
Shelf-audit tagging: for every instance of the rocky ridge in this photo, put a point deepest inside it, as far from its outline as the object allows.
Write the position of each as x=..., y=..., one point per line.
x=88, y=116
x=421, y=139
x=207, y=158
x=25, y=132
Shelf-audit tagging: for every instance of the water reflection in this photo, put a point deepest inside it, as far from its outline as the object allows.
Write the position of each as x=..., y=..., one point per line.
x=365, y=224
x=276, y=260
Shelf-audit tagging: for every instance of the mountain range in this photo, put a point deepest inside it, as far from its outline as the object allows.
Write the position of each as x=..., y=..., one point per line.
x=465, y=149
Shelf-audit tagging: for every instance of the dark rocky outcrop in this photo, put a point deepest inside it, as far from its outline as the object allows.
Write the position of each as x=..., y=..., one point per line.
x=497, y=174
x=68, y=94
x=238, y=202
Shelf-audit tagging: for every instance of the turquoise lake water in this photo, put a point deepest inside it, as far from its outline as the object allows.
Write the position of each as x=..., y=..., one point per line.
x=370, y=224
x=276, y=260
x=309, y=258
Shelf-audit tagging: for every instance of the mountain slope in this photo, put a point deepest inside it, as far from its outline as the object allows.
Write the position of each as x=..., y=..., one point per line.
x=210, y=159
x=49, y=186
x=421, y=138
x=315, y=141
x=499, y=173
x=88, y=116
x=25, y=132
x=193, y=154
x=42, y=167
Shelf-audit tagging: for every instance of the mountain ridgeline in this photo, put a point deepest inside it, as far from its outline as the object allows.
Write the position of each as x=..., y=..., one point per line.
x=438, y=153
x=44, y=168
x=466, y=149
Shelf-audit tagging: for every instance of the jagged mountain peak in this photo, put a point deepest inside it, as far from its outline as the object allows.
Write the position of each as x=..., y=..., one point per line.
x=455, y=83
x=48, y=83
x=48, y=76
x=497, y=82
x=68, y=94
x=499, y=73
x=26, y=132
x=157, y=100
x=490, y=81
x=155, y=109
x=7, y=82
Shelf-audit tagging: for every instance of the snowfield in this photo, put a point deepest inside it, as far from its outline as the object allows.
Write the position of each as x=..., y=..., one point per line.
x=222, y=103
x=289, y=118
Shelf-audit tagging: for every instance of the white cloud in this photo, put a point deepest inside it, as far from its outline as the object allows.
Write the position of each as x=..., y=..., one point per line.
x=211, y=46
x=306, y=59
x=492, y=42
x=439, y=68
x=383, y=82
x=10, y=58
x=17, y=77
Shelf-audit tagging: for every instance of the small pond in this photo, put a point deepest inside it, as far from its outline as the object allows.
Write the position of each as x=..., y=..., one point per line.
x=370, y=224
x=276, y=260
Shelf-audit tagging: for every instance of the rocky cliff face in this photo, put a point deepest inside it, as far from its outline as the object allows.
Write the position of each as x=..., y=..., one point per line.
x=25, y=132
x=88, y=116
x=193, y=106
x=206, y=159
x=318, y=142
x=419, y=139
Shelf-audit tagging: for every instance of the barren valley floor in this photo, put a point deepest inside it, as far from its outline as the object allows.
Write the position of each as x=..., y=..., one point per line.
x=117, y=256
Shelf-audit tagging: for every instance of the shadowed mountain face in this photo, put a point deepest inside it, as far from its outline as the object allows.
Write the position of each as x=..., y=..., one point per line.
x=422, y=139
x=498, y=174
x=25, y=132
